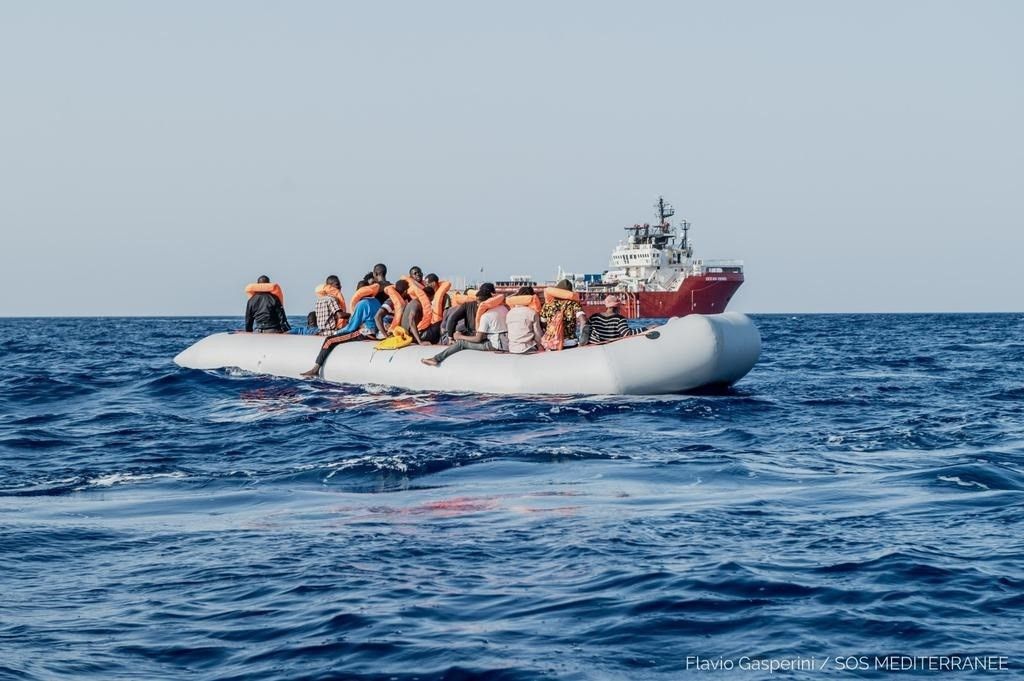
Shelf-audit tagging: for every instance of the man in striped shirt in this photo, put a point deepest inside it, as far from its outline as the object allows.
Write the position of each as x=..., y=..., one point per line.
x=609, y=325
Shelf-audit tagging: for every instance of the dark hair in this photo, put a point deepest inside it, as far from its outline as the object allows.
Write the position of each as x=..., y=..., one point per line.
x=485, y=291
x=431, y=278
x=525, y=291
x=415, y=268
x=382, y=268
x=311, y=319
x=264, y=279
x=401, y=286
x=565, y=285
x=362, y=282
x=334, y=281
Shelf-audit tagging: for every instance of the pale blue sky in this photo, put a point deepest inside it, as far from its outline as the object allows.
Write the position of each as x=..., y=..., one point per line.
x=859, y=156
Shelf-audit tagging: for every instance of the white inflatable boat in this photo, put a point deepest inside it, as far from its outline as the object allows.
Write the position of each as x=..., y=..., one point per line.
x=686, y=353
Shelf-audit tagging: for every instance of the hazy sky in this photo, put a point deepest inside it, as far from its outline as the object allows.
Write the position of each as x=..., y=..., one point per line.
x=859, y=156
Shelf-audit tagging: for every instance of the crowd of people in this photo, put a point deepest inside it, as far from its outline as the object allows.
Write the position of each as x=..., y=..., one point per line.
x=423, y=310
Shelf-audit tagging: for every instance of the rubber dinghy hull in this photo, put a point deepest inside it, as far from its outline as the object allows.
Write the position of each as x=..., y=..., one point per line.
x=687, y=353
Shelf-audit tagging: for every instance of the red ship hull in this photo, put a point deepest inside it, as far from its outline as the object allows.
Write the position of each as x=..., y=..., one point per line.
x=700, y=294
x=703, y=294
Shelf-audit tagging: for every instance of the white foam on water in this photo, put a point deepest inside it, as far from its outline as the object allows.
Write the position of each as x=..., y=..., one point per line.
x=962, y=483
x=112, y=479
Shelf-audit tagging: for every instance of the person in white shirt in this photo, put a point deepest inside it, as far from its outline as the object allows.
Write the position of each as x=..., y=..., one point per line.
x=523, y=322
x=491, y=334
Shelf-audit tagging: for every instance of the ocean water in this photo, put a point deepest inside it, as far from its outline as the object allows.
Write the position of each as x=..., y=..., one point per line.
x=859, y=494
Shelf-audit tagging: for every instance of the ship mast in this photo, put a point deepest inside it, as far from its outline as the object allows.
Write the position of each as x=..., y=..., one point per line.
x=665, y=211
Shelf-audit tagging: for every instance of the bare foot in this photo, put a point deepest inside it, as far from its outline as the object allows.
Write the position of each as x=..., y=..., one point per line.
x=312, y=373
x=430, y=362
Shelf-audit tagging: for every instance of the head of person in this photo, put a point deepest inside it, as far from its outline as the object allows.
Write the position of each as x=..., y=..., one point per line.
x=416, y=274
x=264, y=279
x=311, y=320
x=380, y=272
x=403, y=288
x=485, y=291
x=430, y=283
x=565, y=285
x=333, y=281
x=611, y=304
x=525, y=291
x=362, y=282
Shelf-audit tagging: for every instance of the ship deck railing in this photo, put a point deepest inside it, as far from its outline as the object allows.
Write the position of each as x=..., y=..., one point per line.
x=708, y=264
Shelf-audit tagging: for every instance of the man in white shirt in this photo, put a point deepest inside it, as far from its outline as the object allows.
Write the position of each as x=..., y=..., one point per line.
x=491, y=334
x=523, y=322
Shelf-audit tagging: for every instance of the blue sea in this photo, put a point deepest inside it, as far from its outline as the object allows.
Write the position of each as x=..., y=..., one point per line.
x=858, y=496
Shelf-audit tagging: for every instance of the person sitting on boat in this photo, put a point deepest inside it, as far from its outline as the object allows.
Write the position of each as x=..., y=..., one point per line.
x=329, y=308
x=609, y=325
x=416, y=274
x=264, y=313
x=360, y=326
x=523, y=322
x=438, y=304
x=412, y=318
x=461, y=318
x=569, y=310
x=385, y=315
x=491, y=333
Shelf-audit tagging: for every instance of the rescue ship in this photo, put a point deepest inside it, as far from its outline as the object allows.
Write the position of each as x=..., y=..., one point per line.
x=653, y=273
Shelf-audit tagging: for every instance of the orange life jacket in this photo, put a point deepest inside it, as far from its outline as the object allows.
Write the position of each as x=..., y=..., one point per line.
x=437, y=304
x=328, y=291
x=417, y=292
x=532, y=302
x=363, y=293
x=489, y=304
x=253, y=289
x=552, y=293
x=463, y=298
x=397, y=302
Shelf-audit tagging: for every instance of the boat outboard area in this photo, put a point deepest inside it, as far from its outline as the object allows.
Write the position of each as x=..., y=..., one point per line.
x=684, y=354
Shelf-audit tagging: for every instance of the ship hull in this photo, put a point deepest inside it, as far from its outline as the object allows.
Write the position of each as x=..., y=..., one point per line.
x=700, y=294
x=703, y=294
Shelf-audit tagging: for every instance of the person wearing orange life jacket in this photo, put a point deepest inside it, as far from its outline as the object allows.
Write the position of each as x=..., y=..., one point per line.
x=491, y=331
x=562, y=306
x=460, y=318
x=523, y=322
x=264, y=312
x=391, y=307
x=437, y=292
x=330, y=306
x=417, y=313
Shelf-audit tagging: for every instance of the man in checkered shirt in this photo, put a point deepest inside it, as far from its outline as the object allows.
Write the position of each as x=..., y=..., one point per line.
x=328, y=312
